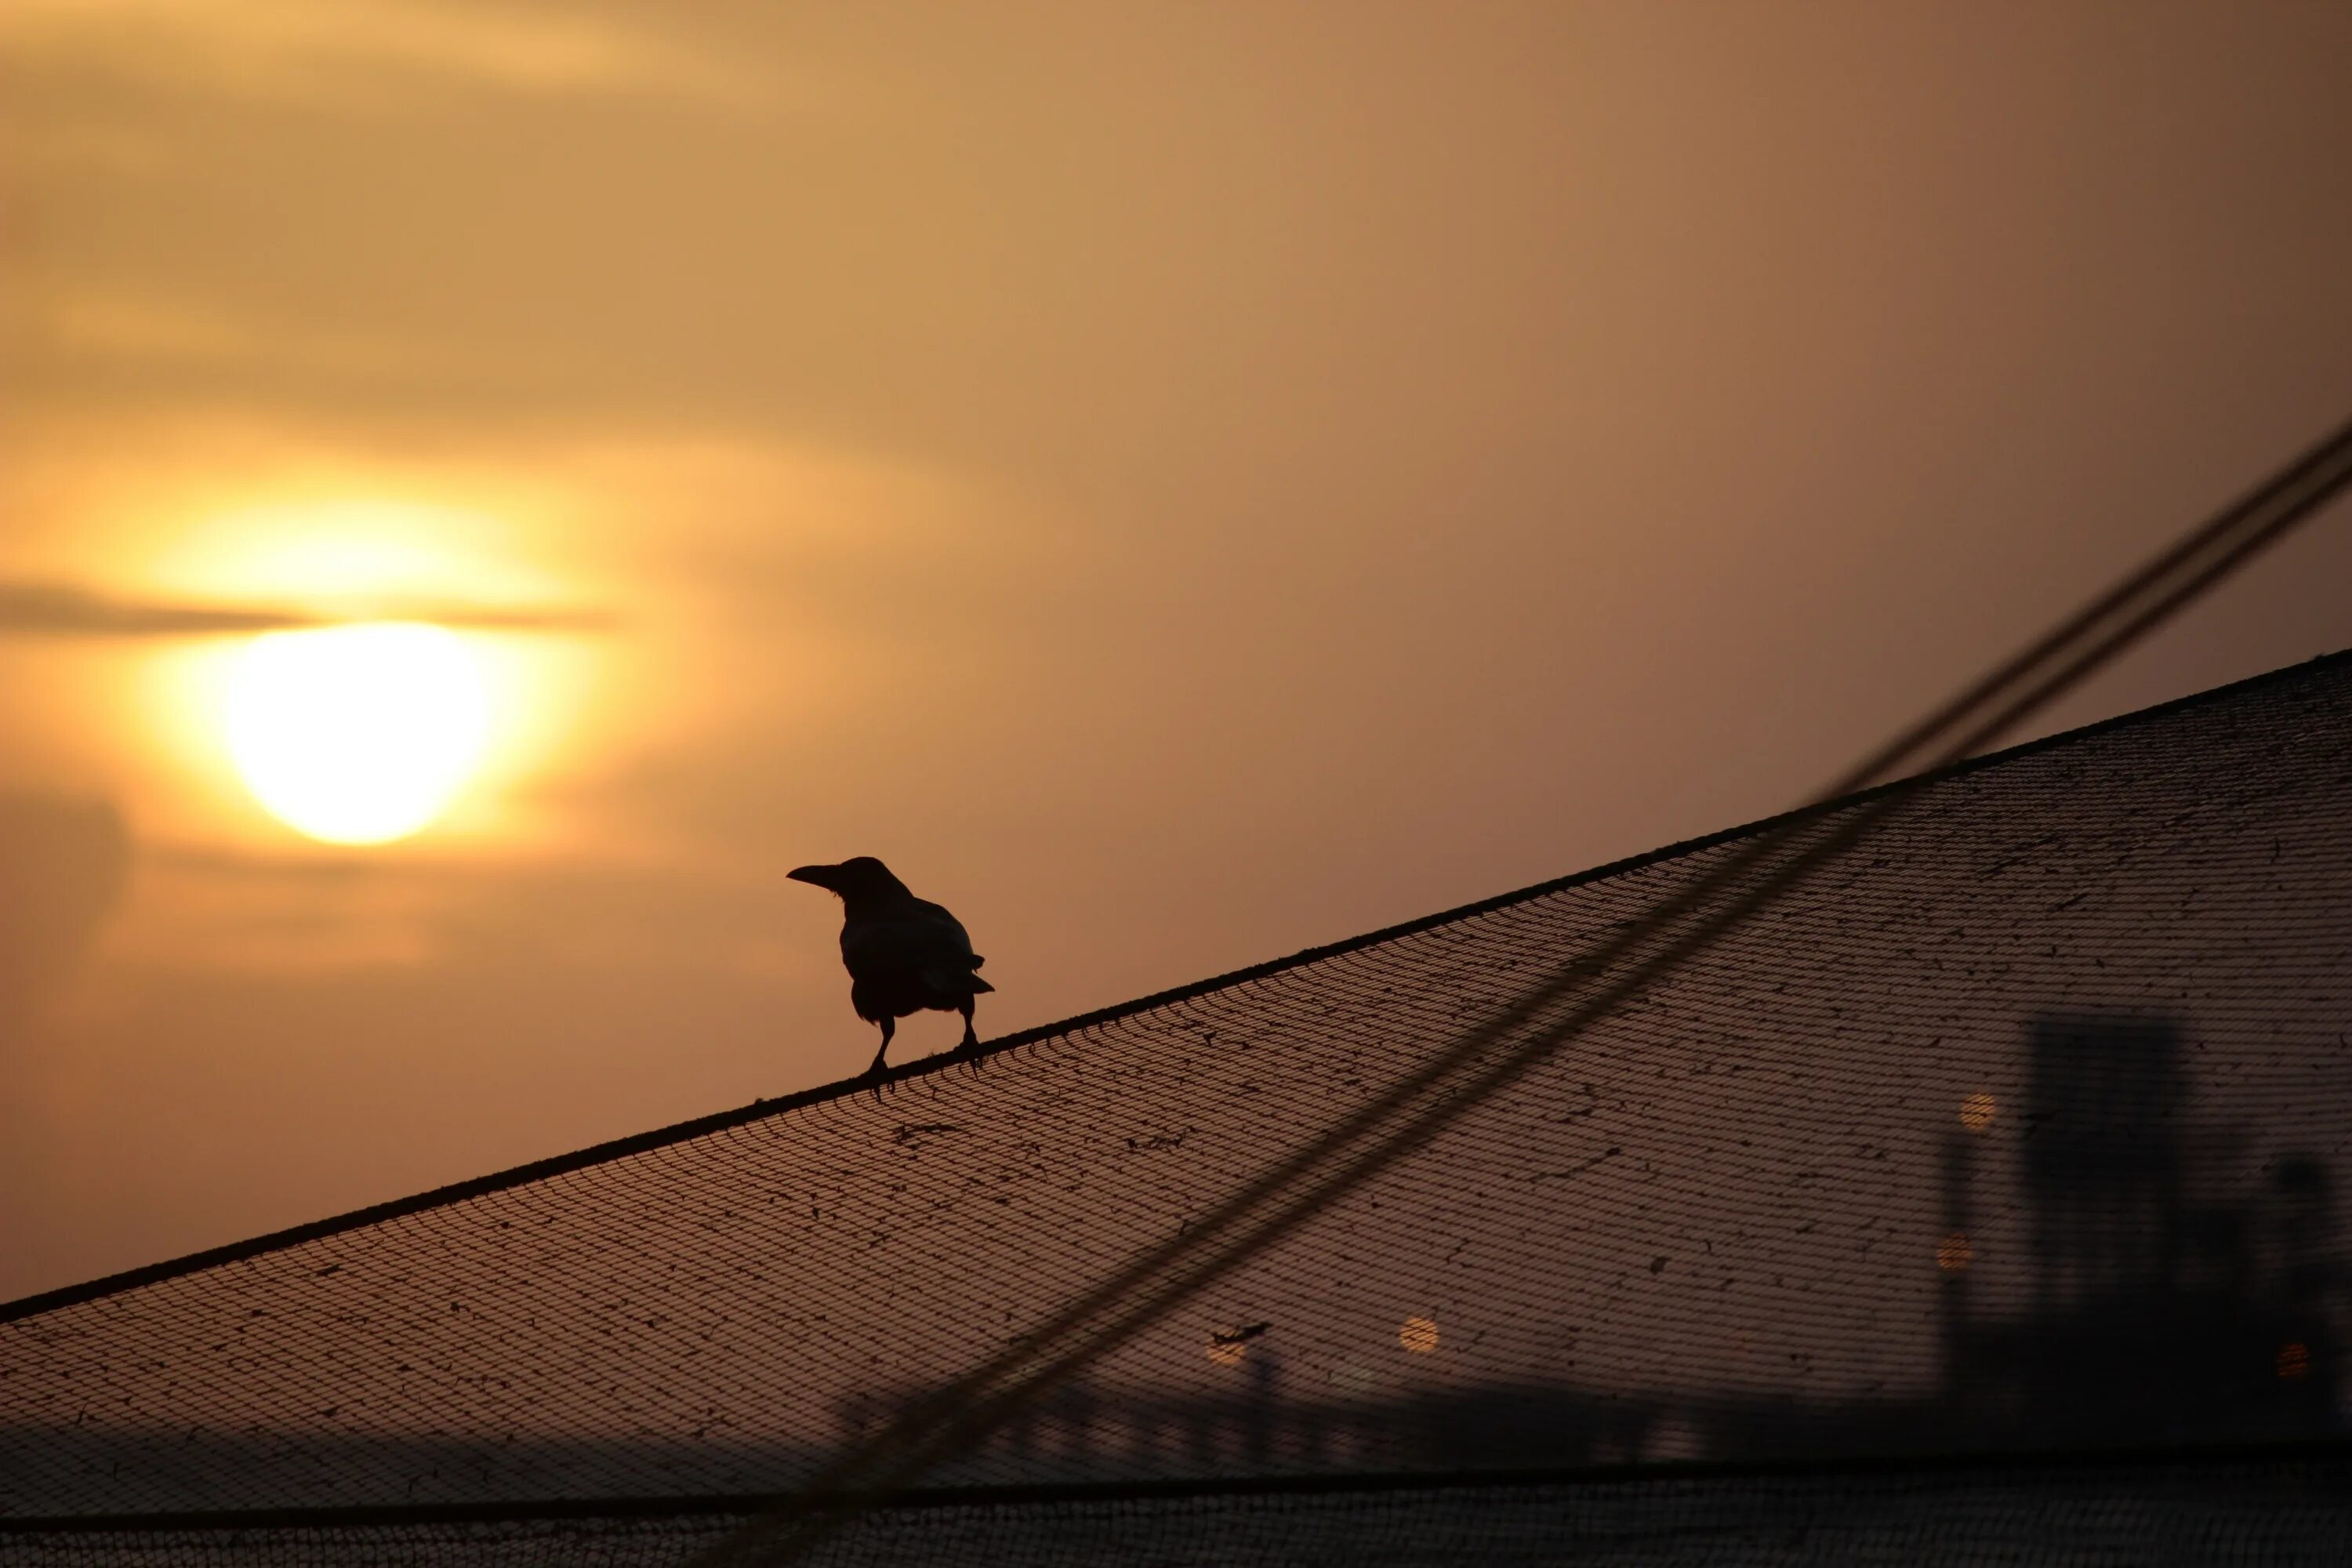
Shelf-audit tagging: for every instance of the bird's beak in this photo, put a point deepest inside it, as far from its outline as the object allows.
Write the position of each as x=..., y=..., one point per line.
x=819, y=876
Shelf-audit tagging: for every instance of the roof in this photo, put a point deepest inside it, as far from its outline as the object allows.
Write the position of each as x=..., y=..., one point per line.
x=1724, y=1224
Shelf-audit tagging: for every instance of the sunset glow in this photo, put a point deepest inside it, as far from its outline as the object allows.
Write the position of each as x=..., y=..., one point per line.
x=358, y=734
x=488, y=492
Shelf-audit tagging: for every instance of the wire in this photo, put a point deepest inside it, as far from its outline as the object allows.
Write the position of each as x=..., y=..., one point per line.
x=1491, y=1057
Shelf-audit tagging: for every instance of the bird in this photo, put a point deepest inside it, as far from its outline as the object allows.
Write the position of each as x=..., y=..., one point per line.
x=904, y=955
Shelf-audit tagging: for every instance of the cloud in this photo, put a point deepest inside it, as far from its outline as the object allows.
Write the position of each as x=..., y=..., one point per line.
x=148, y=328
x=64, y=864
x=289, y=45
x=58, y=610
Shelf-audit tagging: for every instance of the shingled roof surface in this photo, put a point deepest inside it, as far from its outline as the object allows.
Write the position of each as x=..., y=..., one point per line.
x=1871, y=1173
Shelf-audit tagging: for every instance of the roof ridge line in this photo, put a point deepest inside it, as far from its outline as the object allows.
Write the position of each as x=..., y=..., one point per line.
x=759, y=1110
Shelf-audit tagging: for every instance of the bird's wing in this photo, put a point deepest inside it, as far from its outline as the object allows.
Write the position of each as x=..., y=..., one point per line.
x=916, y=937
x=954, y=942
x=916, y=945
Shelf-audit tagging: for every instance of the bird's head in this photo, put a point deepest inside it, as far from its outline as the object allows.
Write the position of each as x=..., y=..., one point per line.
x=862, y=879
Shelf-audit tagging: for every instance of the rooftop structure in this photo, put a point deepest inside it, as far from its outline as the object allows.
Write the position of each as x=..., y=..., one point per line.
x=2015, y=1132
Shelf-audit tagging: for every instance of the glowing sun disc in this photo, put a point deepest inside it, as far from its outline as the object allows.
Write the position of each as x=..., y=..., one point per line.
x=357, y=734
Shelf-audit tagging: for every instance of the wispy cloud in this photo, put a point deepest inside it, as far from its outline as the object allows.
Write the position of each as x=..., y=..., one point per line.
x=289, y=44
x=62, y=610
x=132, y=327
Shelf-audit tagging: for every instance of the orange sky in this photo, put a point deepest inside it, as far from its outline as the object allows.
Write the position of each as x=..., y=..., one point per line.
x=1181, y=483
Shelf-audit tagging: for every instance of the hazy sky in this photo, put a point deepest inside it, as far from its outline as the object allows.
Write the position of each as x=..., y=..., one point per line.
x=1181, y=483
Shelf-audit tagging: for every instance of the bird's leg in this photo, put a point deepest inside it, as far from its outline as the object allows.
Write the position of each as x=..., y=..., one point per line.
x=970, y=1039
x=889, y=1028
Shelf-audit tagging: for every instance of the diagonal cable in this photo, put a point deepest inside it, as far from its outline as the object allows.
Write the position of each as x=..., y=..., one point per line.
x=1491, y=1057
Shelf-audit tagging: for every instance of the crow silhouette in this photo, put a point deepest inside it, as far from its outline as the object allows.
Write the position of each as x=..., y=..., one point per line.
x=903, y=953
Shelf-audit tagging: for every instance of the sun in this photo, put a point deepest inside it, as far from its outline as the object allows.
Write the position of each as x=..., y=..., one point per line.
x=358, y=734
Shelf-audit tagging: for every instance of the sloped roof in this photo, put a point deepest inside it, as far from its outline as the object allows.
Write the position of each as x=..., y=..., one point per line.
x=2072, y=1027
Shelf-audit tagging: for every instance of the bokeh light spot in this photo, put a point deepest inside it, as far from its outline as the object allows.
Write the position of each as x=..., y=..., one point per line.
x=1978, y=1110
x=1418, y=1335
x=1953, y=1254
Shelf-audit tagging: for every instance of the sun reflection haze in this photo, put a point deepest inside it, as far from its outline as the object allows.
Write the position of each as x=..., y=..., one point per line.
x=352, y=557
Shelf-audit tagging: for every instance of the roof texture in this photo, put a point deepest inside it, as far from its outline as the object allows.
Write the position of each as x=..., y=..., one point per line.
x=2021, y=1125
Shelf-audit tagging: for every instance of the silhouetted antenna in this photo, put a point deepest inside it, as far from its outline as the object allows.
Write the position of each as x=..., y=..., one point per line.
x=1493, y=1056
